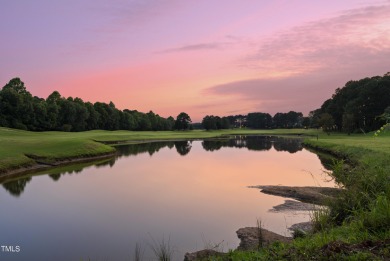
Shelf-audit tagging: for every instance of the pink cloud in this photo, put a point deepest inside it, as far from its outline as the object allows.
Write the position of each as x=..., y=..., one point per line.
x=317, y=44
x=300, y=68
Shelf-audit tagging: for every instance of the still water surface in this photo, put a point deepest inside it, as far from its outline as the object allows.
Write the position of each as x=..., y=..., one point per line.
x=192, y=193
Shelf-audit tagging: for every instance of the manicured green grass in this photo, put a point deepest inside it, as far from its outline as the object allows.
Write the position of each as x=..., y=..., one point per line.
x=46, y=146
x=19, y=148
x=343, y=143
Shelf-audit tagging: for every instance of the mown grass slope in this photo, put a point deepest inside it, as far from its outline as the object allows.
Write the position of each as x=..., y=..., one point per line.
x=19, y=148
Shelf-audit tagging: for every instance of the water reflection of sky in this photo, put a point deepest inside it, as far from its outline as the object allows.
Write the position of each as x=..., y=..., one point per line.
x=101, y=212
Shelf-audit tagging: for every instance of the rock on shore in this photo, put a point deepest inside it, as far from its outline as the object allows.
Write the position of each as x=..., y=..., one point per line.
x=202, y=255
x=249, y=237
x=314, y=195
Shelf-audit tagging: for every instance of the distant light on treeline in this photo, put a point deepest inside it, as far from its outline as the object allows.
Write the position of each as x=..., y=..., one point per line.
x=359, y=106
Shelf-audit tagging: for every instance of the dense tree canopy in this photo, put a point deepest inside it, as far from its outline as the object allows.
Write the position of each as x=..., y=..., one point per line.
x=362, y=105
x=211, y=122
x=20, y=110
x=326, y=122
x=291, y=119
x=255, y=120
x=183, y=121
x=358, y=105
x=259, y=120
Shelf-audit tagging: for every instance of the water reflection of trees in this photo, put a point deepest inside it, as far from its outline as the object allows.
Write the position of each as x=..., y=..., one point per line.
x=290, y=145
x=74, y=170
x=55, y=176
x=257, y=143
x=183, y=147
x=16, y=187
x=150, y=148
x=327, y=161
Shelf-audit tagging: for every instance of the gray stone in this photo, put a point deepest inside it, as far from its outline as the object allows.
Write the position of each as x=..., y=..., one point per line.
x=293, y=205
x=249, y=237
x=307, y=227
x=202, y=255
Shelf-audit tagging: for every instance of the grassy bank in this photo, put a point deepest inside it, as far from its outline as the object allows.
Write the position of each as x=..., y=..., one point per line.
x=357, y=225
x=24, y=148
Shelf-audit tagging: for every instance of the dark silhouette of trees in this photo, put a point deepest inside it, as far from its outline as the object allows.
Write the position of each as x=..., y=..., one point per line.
x=16, y=105
x=183, y=121
x=211, y=122
x=255, y=120
x=20, y=110
x=326, y=122
x=259, y=120
x=291, y=119
x=237, y=121
x=348, y=122
x=358, y=105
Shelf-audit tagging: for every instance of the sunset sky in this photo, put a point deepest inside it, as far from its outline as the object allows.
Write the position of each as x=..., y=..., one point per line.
x=220, y=57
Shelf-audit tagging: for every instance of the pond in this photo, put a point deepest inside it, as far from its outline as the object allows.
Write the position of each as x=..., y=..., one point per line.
x=191, y=193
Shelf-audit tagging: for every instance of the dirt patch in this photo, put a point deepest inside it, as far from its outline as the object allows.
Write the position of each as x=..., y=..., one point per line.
x=313, y=195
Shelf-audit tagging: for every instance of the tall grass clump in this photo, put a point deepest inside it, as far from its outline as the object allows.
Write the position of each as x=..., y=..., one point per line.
x=321, y=219
x=162, y=250
x=377, y=219
x=365, y=198
x=138, y=252
x=259, y=234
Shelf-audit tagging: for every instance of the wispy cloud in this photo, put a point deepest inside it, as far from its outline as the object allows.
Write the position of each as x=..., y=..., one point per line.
x=300, y=93
x=224, y=43
x=299, y=68
x=194, y=47
x=334, y=41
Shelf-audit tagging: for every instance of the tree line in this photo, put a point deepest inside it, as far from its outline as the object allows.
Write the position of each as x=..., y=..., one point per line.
x=359, y=106
x=254, y=120
x=20, y=110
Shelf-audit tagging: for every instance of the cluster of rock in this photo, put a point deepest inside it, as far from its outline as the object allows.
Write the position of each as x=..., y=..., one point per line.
x=253, y=238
